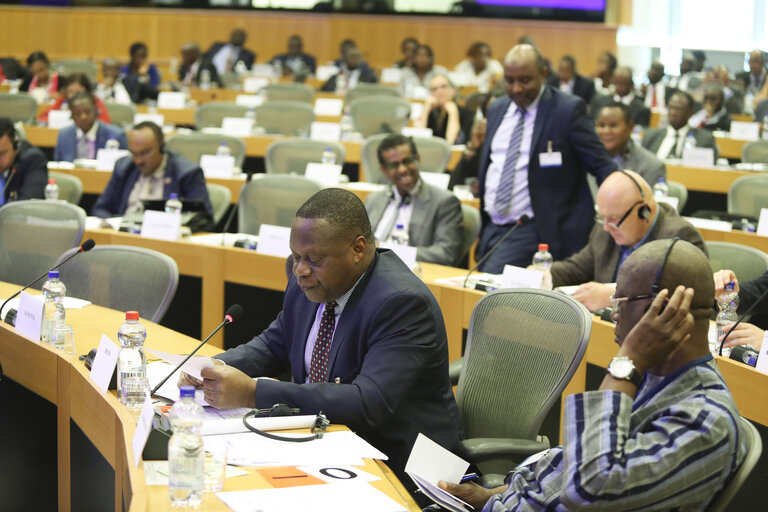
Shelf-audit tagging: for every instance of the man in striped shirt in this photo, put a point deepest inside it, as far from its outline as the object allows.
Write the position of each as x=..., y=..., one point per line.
x=661, y=433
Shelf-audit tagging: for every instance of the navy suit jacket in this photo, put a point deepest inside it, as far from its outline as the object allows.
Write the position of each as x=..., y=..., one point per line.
x=245, y=55
x=562, y=204
x=28, y=176
x=387, y=369
x=66, y=143
x=181, y=177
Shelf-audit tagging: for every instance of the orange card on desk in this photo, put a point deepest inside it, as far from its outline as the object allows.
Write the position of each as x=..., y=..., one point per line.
x=288, y=477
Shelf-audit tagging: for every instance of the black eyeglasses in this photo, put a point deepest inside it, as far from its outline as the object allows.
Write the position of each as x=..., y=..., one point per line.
x=616, y=301
x=407, y=161
x=615, y=225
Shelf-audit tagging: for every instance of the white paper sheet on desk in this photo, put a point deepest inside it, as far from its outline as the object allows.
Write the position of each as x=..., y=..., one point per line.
x=157, y=370
x=156, y=472
x=317, y=498
x=429, y=463
x=230, y=421
x=69, y=303
x=225, y=239
x=339, y=474
x=192, y=367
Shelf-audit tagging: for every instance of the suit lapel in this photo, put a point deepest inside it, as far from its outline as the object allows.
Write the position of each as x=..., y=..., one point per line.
x=169, y=186
x=130, y=182
x=418, y=214
x=306, y=318
x=542, y=116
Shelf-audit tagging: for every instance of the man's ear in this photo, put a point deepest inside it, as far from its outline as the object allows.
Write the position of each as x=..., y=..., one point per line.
x=358, y=248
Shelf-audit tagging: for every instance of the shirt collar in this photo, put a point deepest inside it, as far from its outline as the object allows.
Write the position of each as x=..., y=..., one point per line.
x=341, y=302
x=413, y=192
x=160, y=171
x=681, y=132
x=91, y=135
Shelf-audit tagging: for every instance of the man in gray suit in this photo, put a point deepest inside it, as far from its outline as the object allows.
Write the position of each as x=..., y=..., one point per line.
x=614, y=128
x=628, y=217
x=669, y=142
x=433, y=216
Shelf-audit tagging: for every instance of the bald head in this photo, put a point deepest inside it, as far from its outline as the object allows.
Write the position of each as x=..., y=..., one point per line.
x=524, y=74
x=620, y=202
x=525, y=54
x=622, y=80
x=756, y=62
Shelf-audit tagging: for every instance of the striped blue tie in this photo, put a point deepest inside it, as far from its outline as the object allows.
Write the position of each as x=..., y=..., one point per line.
x=507, y=180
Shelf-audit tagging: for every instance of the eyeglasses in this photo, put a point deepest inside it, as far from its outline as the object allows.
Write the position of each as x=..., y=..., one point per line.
x=615, y=225
x=143, y=154
x=616, y=301
x=438, y=87
x=407, y=161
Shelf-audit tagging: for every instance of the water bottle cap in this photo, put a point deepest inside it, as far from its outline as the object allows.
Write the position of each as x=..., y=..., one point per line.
x=543, y=247
x=53, y=274
x=328, y=148
x=173, y=196
x=187, y=391
x=51, y=181
x=131, y=315
x=223, y=143
x=661, y=180
x=399, y=226
x=730, y=286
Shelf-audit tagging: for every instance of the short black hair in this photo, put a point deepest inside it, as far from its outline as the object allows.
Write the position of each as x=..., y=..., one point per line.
x=7, y=129
x=612, y=62
x=82, y=79
x=716, y=88
x=621, y=106
x=408, y=40
x=428, y=50
x=342, y=209
x=83, y=96
x=158, y=131
x=37, y=56
x=477, y=47
x=346, y=43
x=568, y=59
x=137, y=47
x=392, y=141
x=688, y=98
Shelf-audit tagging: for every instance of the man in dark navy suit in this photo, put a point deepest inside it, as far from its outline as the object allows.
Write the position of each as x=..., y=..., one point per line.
x=225, y=56
x=568, y=80
x=86, y=136
x=23, y=167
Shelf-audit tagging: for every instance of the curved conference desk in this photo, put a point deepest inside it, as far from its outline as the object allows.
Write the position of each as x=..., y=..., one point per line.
x=76, y=454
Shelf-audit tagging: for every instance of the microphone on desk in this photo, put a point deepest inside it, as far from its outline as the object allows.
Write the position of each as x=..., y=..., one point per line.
x=232, y=315
x=737, y=322
x=231, y=216
x=87, y=246
x=520, y=222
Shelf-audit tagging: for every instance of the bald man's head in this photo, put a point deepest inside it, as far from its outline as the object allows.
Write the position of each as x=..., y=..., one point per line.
x=524, y=73
x=622, y=80
x=625, y=203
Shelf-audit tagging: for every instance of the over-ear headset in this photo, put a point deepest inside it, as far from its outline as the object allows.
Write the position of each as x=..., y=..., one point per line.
x=657, y=283
x=644, y=212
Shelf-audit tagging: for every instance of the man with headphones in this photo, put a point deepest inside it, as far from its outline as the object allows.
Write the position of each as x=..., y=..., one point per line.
x=627, y=217
x=23, y=167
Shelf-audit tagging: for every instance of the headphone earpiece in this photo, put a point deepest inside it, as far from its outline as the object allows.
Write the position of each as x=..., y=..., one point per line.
x=644, y=212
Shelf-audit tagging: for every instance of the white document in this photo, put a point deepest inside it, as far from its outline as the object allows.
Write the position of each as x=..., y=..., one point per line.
x=106, y=158
x=249, y=100
x=230, y=421
x=143, y=428
x=329, y=106
x=325, y=174
x=192, y=367
x=436, y=179
x=254, y=83
x=762, y=222
x=417, y=108
x=412, y=131
x=762, y=359
x=263, y=70
x=698, y=157
x=58, y=119
x=429, y=463
x=745, y=130
x=404, y=252
x=391, y=75
x=274, y=240
x=171, y=100
x=325, y=72
x=158, y=119
x=215, y=166
x=339, y=474
x=237, y=126
x=161, y=225
x=29, y=315
x=104, y=363
x=330, y=132
x=519, y=277
x=156, y=472
x=714, y=225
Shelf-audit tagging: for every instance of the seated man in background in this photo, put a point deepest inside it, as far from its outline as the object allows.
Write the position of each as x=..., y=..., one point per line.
x=614, y=127
x=193, y=64
x=354, y=71
x=661, y=433
x=77, y=83
x=295, y=62
x=713, y=115
x=656, y=91
x=152, y=172
x=749, y=292
x=669, y=142
x=23, y=167
x=624, y=92
x=628, y=217
x=432, y=216
x=479, y=69
x=225, y=56
x=568, y=80
x=87, y=135
x=111, y=87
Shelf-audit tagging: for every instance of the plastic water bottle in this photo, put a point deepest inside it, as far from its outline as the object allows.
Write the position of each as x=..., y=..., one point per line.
x=52, y=189
x=400, y=235
x=112, y=144
x=765, y=127
x=690, y=141
x=241, y=68
x=205, y=79
x=341, y=83
x=347, y=125
x=173, y=205
x=223, y=149
x=660, y=189
x=542, y=260
x=131, y=361
x=251, y=114
x=329, y=157
x=727, y=303
x=54, y=292
x=186, y=457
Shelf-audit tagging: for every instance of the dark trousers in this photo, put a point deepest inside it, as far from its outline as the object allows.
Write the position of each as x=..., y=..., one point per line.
x=518, y=249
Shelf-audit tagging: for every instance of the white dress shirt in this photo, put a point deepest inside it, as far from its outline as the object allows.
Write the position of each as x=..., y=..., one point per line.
x=397, y=209
x=669, y=141
x=223, y=55
x=624, y=99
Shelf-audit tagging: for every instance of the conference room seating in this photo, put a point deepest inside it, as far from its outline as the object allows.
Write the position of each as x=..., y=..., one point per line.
x=230, y=80
x=472, y=225
x=289, y=92
x=70, y=187
x=210, y=115
x=291, y=156
x=18, y=107
x=761, y=110
x=511, y=377
x=751, y=438
x=746, y=262
x=285, y=117
x=747, y=195
x=194, y=145
x=755, y=152
x=272, y=199
x=379, y=114
x=121, y=114
x=33, y=234
x=66, y=67
x=679, y=191
x=365, y=90
x=123, y=277
x=435, y=153
x=220, y=197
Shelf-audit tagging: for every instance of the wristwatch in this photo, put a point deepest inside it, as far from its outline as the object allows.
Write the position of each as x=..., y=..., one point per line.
x=623, y=368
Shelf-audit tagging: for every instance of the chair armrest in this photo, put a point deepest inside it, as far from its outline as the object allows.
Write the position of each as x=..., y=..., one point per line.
x=454, y=370
x=485, y=448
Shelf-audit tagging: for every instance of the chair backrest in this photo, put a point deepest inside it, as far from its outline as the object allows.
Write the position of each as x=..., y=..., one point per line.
x=121, y=114
x=292, y=155
x=273, y=199
x=379, y=114
x=528, y=344
x=68, y=66
x=231, y=80
x=678, y=190
x=365, y=90
x=285, y=117
x=212, y=113
x=289, y=92
x=220, y=197
x=194, y=145
x=751, y=437
x=746, y=262
x=435, y=154
x=747, y=195
x=755, y=152
x=472, y=223
x=33, y=234
x=70, y=187
x=18, y=107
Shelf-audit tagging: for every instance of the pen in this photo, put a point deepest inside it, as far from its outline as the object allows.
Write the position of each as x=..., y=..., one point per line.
x=289, y=476
x=469, y=477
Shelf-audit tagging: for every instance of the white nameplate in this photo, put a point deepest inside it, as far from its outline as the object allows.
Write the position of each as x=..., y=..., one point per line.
x=254, y=84
x=744, y=130
x=762, y=222
x=171, y=100
x=325, y=174
x=404, y=252
x=215, y=166
x=714, y=225
x=58, y=119
x=237, y=126
x=411, y=131
x=698, y=157
x=143, y=427
x=161, y=225
x=106, y=158
x=417, y=108
x=249, y=100
x=104, y=363
x=329, y=106
x=158, y=119
x=323, y=73
x=274, y=240
x=325, y=131
x=29, y=316
x=518, y=277
x=263, y=70
x=391, y=75
x=436, y=179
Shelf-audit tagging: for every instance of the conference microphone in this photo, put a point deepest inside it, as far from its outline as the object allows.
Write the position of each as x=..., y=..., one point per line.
x=232, y=315
x=87, y=246
x=737, y=322
x=231, y=216
x=520, y=222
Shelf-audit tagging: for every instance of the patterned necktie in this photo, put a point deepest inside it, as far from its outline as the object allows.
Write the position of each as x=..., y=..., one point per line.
x=83, y=148
x=507, y=180
x=318, y=368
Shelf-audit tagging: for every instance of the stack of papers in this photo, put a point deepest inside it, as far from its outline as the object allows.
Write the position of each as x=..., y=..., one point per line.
x=428, y=464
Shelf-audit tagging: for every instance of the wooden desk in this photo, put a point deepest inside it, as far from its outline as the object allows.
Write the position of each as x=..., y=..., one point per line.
x=736, y=237
x=706, y=179
x=730, y=148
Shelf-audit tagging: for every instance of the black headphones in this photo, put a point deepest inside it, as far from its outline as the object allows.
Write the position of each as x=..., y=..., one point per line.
x=644, y=212
x=657, y=283
x=318, y=427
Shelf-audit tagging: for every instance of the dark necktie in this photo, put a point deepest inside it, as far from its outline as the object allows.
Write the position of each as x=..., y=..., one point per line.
x=673, y=152
x=318, y=368
x=405, y=199
x=507, y=179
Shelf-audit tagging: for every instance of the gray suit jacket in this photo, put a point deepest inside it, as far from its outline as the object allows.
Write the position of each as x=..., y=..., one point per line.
x=436, y=226
x=645, y=163
x=704, y=139
x=599, y=259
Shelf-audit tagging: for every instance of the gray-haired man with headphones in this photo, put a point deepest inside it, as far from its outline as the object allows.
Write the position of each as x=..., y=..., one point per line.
x=627, y=217
x=23, y=167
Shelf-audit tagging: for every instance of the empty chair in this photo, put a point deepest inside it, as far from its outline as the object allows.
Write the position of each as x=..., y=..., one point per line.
x=212, y=113
x=747, y=195
x=379, y=114
x=751, y=437
x=220, y=197
x=746, y=262
x=70, y=187
x=194, y=145
x=679, y=191
x=285, y=117
x=292, y=155
x=472, y=224
x=121, y=115
x=230, y=80
x=18, y=107
x=273, y=199
x=435, y=153
x=33, y=234
x=123, y=277
x=289, y=92
x=68, y=66
x=365, y=90
x=755, y=152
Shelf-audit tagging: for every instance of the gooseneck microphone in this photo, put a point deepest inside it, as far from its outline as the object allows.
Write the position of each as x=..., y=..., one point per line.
x=520, y=222
x=87, y=246
x=232, y=315
x=737, y=322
